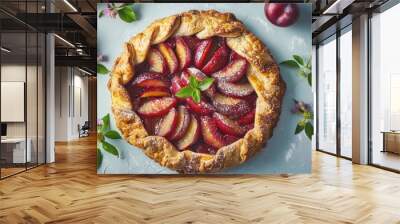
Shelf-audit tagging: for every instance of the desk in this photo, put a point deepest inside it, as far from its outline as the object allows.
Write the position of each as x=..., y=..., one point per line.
x=16, y=147
x=391, y=141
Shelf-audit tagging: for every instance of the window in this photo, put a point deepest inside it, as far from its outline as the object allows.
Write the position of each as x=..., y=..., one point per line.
x=385, y=89
x=334, y=106
x=327, y=96
x=394, y=102
x=346, y=93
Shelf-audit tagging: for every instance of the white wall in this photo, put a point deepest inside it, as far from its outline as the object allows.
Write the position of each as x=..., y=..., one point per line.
x=61, y=103
x=71, y=102
x=80, y=109
x=16, y=73
x=12, y=73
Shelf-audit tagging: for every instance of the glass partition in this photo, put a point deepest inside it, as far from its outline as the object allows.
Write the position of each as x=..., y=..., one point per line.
x=22, y=88
x=14, y=153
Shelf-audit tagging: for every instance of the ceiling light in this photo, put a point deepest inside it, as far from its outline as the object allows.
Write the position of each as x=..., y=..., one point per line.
x=338, y=6
x=84, y=71
x=329, y=9
x=70, y=5
x=64, y=40
x=5, y=50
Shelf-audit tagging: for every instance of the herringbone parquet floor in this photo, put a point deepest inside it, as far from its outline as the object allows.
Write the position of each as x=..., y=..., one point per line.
x=69, y=191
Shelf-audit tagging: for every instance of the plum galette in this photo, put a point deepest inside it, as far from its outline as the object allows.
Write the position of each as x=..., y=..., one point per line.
x=197, y=92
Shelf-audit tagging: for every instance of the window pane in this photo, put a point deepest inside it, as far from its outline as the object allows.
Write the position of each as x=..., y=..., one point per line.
x=346, y=94
x=385, y=83
x=327, y=96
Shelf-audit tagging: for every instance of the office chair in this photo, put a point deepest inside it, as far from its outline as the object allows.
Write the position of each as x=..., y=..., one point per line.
x=84, y=130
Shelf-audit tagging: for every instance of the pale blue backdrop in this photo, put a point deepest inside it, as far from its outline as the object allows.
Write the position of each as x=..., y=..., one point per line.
x=285, y=152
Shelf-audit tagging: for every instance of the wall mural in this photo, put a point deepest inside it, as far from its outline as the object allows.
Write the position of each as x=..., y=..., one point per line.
x=204, y=88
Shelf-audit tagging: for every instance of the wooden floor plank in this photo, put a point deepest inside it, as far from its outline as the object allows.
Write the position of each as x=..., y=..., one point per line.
x=70, y=191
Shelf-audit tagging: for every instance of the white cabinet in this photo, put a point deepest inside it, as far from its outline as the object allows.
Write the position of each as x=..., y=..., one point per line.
x=19, y=155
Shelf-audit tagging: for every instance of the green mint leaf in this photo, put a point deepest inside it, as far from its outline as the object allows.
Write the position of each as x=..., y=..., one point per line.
x=106, y=123
x=206, y=83
x=99, y=158
x=196, y=95
x=299, y=128
x=309, y=130
x=193, y=82
x=309, y=79
x=290, y=63
x=127, y=14
x=101, y=14
x=110, y=148
x=298, y=59
x=101, y=69
x=184, y=92
x=112, y=134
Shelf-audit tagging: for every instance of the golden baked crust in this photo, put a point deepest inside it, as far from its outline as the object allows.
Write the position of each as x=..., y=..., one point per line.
x=263, y=74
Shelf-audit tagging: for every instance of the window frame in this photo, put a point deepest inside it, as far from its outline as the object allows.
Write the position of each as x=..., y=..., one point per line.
x=336, y=38
x=381, y=9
